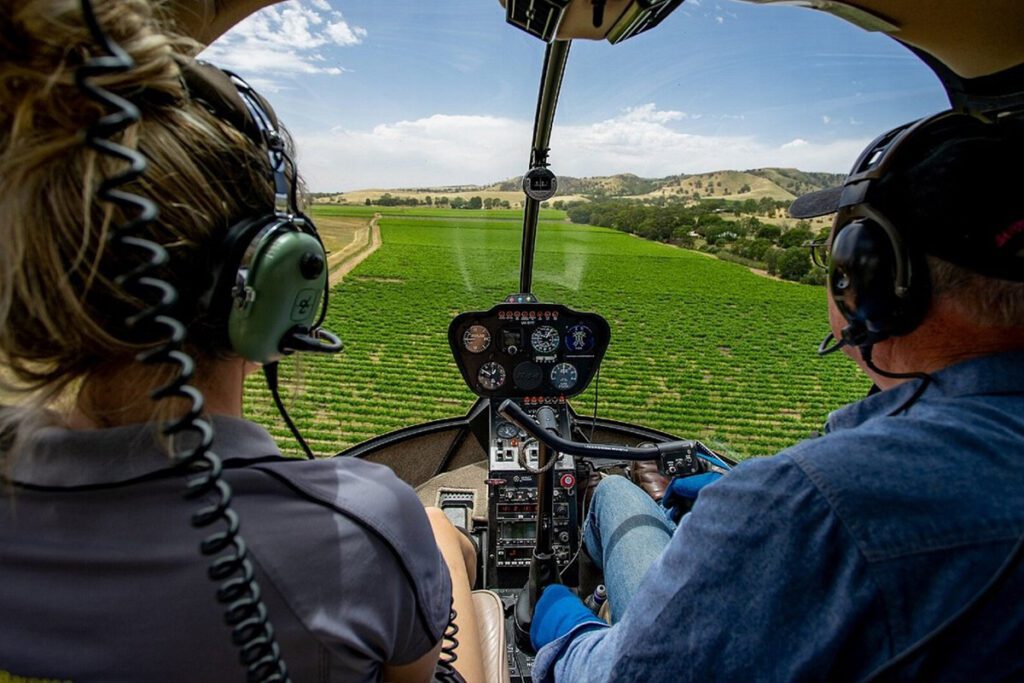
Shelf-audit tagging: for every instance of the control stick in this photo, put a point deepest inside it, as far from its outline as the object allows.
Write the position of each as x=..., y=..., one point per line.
x=543, y=565
x=675, y=458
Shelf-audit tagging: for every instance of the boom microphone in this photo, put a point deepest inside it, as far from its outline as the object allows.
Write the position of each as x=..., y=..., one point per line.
x=824, y=349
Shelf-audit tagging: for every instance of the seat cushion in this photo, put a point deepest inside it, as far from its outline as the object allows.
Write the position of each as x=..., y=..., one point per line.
x=490, y=616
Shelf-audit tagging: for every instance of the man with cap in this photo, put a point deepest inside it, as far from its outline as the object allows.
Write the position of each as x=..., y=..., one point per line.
x=889, y=547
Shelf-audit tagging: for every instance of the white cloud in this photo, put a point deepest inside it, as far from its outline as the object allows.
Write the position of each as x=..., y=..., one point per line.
x=720, y=19
x=344, y=34
x=825, y=119
x=649, y=112
x=285, y=41
x=446, y=149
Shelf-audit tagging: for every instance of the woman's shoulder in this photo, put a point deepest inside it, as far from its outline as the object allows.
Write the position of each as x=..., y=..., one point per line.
x=360, y=533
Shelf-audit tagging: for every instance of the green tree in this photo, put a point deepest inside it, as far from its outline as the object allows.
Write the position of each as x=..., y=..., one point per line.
x=794, y=263
x=475, y=203
x=769, y=232
x=795, y=237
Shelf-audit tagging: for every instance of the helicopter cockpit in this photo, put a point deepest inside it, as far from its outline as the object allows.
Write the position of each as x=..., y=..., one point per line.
x=515, y=469
x=512, y=446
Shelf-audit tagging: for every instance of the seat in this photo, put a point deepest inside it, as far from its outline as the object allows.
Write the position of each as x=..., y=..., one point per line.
x=490, y=614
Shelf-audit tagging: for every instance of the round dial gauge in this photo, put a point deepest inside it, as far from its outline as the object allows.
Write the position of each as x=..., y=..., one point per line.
x=476, y=339
x=564, y=376
x=507, y=430
x=491, y=376
x=528, y=376
x=544, y=339
x=579, y=339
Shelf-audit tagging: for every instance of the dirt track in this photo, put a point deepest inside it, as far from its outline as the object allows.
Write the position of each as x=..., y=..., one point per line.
x=365, y=243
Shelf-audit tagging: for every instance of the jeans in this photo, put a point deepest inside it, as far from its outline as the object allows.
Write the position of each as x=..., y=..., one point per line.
x=625, y=531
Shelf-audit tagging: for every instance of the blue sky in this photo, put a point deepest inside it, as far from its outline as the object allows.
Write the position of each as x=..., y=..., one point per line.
x=412, y=93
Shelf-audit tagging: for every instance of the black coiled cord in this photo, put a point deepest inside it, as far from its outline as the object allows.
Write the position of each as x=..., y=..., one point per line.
x=231, y=568
x=449, y=646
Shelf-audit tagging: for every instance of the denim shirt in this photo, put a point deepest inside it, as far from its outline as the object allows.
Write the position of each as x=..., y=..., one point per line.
x=828, y=559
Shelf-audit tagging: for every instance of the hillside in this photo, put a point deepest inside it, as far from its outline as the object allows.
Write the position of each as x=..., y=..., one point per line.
x=773, y=183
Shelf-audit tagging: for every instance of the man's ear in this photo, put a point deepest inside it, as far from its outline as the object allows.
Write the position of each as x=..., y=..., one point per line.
x=206, y=20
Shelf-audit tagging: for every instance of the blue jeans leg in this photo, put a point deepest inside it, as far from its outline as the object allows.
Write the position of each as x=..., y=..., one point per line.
x=625, y=532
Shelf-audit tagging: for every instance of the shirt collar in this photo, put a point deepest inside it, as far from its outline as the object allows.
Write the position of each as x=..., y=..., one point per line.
x=61, y=457
x=985, y=375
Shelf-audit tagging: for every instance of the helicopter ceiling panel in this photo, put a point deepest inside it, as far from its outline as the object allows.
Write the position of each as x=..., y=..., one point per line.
x=528, y=350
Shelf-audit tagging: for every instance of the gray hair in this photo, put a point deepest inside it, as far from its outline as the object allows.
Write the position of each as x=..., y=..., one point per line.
x=988, y=301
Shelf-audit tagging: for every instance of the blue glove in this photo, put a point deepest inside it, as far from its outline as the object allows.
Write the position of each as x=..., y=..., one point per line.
x=557, y=612
x=683, y=491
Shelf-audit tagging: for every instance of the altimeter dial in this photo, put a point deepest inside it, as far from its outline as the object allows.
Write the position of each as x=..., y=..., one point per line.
x=491, y=376
x=545, y=339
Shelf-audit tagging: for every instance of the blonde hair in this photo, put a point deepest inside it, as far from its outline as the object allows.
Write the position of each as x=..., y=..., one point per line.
x=63, y=316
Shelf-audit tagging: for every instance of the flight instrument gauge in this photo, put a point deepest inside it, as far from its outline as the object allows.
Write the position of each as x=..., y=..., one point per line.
x=491, y=376
x=507, y=430
x=476, y=339
x=579, y=339
x=545, y=339
x=564, y=376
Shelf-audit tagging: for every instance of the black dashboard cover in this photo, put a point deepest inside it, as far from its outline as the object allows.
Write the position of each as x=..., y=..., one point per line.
x=537, y=351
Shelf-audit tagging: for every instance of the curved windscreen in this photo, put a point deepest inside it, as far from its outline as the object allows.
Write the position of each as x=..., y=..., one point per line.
x=676, y=155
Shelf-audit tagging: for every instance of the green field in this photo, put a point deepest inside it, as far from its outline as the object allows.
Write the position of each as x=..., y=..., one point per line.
x=700, y=347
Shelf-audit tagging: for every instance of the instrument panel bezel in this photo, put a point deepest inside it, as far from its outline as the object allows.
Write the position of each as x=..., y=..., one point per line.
x=528, y=317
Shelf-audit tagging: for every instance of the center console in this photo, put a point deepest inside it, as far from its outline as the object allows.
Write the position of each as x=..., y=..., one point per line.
x=537, y=355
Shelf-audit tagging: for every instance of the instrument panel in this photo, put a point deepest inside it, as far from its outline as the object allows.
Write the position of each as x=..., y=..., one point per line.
x=542, y=352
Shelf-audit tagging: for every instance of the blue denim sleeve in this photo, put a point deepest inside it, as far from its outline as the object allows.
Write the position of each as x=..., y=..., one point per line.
x=761, y=581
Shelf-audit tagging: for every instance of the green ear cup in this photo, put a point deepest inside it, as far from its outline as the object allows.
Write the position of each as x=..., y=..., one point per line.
x=282, y=291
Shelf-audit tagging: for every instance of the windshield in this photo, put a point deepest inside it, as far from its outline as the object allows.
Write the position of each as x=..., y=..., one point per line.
x=677, y=153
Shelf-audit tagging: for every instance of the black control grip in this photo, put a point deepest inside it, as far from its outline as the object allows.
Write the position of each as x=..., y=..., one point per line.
x=512, y=412
x=547, y=420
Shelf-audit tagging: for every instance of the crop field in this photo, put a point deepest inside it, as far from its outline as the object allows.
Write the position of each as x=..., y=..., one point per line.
x=700, y=348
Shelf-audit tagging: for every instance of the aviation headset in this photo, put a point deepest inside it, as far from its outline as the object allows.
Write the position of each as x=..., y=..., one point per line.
x=878, y=273
x=269, y=288
x=877, y=278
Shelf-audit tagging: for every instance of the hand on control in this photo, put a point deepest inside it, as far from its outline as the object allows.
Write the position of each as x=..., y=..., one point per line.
x=557, y=612
x=681, y=493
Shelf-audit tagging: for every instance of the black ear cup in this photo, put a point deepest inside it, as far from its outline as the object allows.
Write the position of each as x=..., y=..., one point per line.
x=863, y=283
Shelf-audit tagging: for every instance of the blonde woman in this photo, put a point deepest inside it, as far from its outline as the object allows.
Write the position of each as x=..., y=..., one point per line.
x=100, y=574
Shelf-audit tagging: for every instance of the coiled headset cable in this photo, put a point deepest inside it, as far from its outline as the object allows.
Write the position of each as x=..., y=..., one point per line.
x=445, y=671
x=231, y=567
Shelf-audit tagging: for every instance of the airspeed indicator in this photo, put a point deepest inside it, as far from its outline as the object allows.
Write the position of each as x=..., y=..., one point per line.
x=476, y=339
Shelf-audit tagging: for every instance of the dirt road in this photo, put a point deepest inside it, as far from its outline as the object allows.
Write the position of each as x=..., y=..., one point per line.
x=365, y=243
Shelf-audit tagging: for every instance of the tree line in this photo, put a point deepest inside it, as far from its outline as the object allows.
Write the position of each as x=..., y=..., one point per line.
x=732, y=231
x=474, y=202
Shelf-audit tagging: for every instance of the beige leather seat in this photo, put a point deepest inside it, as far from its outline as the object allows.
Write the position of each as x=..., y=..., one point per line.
x=490, y=615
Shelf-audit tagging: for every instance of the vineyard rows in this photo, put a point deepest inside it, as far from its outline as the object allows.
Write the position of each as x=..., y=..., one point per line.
x=700, y=347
